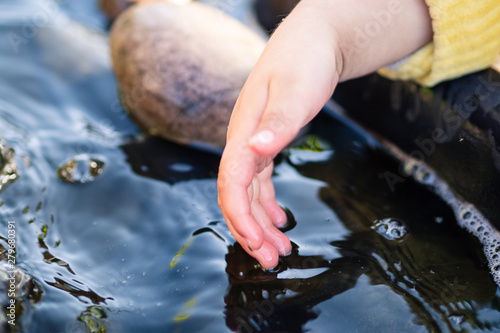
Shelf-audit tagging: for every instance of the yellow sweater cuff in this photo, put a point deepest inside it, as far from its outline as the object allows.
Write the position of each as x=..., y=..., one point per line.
x=466, y=39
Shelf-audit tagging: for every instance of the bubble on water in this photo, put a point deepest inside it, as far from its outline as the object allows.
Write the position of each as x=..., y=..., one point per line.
x=410, y=168
x=80, y=169
x=423, y=176
x=390, y=228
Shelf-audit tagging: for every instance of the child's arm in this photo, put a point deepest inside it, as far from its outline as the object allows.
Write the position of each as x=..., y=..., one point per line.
x=319, y=44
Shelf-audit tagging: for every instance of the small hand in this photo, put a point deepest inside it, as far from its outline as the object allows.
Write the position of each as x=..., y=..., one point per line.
x=286, y=89
x=313, y=48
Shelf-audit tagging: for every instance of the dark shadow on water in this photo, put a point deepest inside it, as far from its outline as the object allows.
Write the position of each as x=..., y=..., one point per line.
x=147, y=158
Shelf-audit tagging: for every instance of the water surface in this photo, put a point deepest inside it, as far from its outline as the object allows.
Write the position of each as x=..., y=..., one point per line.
x=142, y=247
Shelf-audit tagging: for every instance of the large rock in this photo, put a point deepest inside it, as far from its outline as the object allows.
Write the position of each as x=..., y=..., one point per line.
x=113, y=8
x=181, y=68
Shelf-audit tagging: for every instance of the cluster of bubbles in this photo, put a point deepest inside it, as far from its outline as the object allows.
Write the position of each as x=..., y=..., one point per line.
x=467, y=215
x=390, y=228
x=80, y=169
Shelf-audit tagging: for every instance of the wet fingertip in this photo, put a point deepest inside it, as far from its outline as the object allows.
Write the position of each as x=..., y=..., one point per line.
x=285, y=250
x=290, y=221
x=279, y=219
x=278, y=268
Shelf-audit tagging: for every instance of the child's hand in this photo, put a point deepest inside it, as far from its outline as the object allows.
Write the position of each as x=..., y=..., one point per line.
x=293, y=79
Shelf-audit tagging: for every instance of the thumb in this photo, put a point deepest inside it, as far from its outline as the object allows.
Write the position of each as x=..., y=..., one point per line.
x=282, y=120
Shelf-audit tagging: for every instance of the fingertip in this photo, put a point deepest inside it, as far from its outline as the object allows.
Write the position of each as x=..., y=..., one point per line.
x=279, y=217
x=267, y=256
x=278, y=240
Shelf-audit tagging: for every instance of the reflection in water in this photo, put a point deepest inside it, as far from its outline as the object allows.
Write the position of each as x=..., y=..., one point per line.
x=426, y=260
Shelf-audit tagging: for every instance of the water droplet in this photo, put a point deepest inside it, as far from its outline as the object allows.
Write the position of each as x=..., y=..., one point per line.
x=390, y=228
x=80, y=169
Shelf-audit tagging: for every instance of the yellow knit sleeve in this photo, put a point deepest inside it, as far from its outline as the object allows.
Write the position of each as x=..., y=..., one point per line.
x=466, y=39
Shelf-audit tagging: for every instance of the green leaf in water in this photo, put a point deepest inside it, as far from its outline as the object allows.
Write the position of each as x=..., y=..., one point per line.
x=180, y=253
x=313, y=143
x=26, y=209
x=183, y=314
x=311, y=149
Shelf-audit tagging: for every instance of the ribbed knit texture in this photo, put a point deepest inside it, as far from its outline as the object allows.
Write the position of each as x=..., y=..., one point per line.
x=466, y=39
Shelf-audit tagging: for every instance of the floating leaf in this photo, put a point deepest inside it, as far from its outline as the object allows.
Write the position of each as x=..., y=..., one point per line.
x=183, y=315
x=180, y=253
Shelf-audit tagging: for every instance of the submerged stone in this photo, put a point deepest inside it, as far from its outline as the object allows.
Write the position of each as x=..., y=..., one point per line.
x=181, y=67
x=15, y=283
x=80, y=169
x=8, y=170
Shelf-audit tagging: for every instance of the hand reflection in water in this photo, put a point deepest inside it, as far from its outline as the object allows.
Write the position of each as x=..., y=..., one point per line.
x=284, y=300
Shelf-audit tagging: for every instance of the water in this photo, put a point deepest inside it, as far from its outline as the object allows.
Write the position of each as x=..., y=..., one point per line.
x=142, y=247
